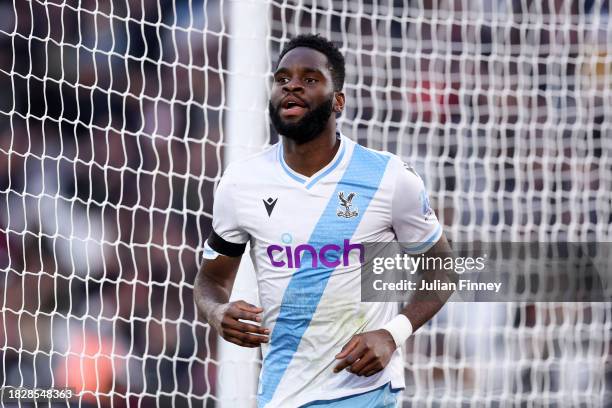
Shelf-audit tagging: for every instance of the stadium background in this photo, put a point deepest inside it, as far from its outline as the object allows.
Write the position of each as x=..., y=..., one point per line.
x=112, y=119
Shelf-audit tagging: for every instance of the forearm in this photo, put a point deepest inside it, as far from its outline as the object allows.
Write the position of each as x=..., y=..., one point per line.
x=209, y=294
x=426, y=303
x=213, y=284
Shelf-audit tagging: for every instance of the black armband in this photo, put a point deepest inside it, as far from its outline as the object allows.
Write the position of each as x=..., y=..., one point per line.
x=224, y=247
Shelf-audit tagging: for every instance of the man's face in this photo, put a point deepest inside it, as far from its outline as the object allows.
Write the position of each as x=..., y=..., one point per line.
x=302, y=97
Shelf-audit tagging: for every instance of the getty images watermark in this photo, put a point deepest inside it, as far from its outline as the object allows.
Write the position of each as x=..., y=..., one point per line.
x=422, y=264
x=489, y=272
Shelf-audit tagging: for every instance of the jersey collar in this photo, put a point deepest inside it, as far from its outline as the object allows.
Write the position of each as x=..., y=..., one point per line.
x=308, y=182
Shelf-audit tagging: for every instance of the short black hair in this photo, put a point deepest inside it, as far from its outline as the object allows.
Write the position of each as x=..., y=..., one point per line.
x=335, y=58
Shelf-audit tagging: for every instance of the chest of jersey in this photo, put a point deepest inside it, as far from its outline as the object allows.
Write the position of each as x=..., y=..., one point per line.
x=290, y=225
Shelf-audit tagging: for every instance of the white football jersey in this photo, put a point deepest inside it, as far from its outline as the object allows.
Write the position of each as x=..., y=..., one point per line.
x=305, y=235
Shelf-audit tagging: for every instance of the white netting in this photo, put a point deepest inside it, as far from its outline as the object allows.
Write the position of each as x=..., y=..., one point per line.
x=112, y=137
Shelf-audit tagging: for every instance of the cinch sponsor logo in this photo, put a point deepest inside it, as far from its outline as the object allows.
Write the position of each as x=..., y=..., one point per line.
x=329, y=255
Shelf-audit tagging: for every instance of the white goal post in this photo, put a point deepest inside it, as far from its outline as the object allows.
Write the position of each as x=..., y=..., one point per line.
x=249, y=66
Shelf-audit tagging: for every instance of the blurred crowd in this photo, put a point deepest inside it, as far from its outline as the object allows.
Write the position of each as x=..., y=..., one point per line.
x=109, y=148
x=111, y=139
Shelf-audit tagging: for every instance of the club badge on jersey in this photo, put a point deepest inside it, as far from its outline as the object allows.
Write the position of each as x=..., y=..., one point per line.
x=346, y=203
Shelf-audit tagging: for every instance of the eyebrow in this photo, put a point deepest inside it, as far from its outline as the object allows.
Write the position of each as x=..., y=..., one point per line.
x=306, y=70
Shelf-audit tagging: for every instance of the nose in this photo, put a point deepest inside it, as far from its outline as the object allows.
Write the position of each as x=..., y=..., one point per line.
x=293, y=85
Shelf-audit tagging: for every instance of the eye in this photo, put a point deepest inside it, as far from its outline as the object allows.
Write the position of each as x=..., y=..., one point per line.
x=310, y=80
x=281, y=80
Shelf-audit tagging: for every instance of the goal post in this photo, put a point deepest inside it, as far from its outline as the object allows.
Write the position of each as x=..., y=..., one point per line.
x=249, y=65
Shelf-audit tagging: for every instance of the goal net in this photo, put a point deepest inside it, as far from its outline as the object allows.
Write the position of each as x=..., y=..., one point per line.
x=115, y=126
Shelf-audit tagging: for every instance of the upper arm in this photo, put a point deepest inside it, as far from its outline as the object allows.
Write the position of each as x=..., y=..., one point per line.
x=227, y=241
x=413, y=220
x=228, y=237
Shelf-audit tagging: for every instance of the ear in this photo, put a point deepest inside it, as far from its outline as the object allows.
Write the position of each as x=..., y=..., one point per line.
x=339, y=101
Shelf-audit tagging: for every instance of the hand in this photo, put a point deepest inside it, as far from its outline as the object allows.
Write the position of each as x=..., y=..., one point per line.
x=366, y=353
x=226, y=319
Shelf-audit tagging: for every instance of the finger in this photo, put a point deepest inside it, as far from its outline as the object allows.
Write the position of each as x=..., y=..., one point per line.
x=248, y=307
x=371, y=370
x=247, y=337
x=353, y=356
x=240, y=342
x=372, y=365
x=241, y=314
x=229, y=323
x=363, y=362
x=250, y=328
x=348, y=347
x=238, y=313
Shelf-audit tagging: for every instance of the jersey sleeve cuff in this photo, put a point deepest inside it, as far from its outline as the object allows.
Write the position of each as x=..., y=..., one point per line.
x=422, y=247
x=224, y=247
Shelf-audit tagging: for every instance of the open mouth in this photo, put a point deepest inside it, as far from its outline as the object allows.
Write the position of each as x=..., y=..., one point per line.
x=293, y=107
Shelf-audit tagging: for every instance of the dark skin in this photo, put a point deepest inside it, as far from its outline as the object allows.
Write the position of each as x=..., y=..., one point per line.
x=303, y=73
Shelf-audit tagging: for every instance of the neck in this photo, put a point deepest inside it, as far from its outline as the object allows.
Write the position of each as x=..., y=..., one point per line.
x=312, y=156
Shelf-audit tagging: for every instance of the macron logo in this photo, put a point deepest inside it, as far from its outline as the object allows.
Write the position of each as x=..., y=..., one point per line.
x=329, y=255
x=270, y=203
